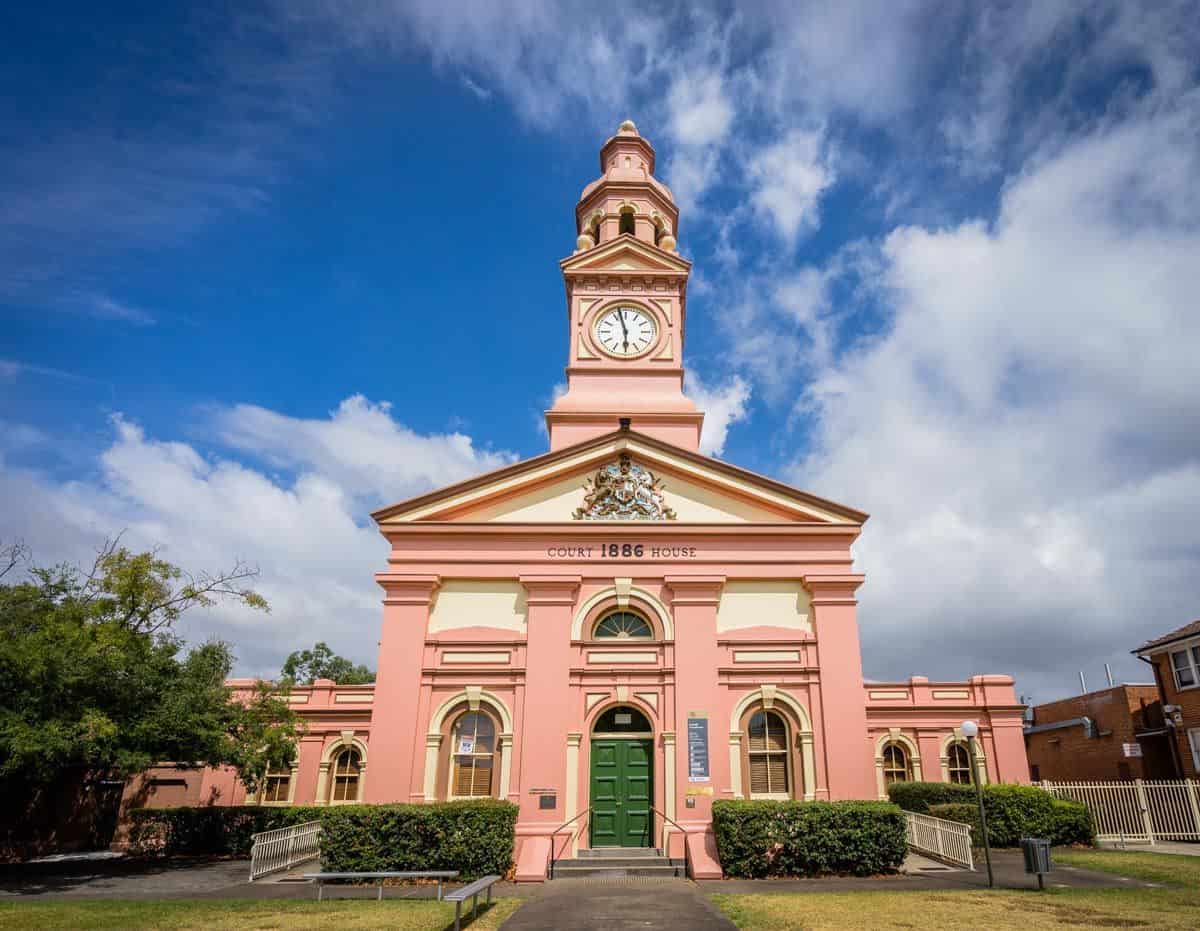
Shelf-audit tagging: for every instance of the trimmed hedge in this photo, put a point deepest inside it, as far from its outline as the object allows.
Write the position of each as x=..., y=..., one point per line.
x=475, y=838
x=1013, y=811
x=918, y=796
x=758, y=839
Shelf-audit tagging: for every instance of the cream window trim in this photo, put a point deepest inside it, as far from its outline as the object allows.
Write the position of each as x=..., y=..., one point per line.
x=293, y=774
x=981, y=773
x=914, y=759
x=328, y=755
x=768, y=694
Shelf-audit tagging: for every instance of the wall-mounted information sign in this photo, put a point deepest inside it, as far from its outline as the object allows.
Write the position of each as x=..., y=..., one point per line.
x=697, y=748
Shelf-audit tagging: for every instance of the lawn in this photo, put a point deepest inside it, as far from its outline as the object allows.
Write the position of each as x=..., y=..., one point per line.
x=248, y=916
x=1175, y=906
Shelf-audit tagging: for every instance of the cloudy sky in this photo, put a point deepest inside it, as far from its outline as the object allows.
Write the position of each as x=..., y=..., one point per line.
x=266, y=266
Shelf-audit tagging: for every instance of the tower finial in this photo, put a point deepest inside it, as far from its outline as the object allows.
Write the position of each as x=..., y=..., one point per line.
x=627, y=128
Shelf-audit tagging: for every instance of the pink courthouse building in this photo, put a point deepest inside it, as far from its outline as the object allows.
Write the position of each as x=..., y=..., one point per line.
x=623, y=630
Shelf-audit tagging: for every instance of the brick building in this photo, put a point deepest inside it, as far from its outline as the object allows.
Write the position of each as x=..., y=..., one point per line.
x=1113, y=734
x=1175, y=657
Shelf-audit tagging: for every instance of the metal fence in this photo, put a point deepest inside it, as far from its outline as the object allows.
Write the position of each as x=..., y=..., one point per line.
x=1138, y=812
x=283, y=848
x=949, y=841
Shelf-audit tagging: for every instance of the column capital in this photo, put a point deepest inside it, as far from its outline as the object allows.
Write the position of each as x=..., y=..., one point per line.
x=833, y=589
x=551, y=589
x=668, y=738
x=433, y=740
x=574, y=739
x=695, y=589
x=402, y=589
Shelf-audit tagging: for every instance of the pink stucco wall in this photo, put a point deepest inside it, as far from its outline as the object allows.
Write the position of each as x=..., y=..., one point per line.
x=548, y=681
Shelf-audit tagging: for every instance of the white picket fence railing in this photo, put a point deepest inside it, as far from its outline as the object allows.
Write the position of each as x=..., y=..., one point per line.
x=949, y=841
x=1138, y=812
x=283, y=848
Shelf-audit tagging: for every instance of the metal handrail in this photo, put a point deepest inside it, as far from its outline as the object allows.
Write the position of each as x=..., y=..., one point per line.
x=667, y=851
x=558, y=830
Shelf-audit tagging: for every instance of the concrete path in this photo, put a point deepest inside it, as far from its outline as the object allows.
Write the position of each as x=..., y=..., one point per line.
x=604, y=905
x=1177, y=847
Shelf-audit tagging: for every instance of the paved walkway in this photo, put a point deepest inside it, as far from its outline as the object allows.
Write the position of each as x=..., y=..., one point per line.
x=602, y=905
x=614, y=900
x=1180, y=848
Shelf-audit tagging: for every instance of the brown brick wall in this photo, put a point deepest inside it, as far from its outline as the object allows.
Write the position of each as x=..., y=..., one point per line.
x=1067, y=754
x=1189, y=702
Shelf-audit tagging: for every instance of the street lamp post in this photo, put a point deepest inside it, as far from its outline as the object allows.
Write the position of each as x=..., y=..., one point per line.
x=970, y=730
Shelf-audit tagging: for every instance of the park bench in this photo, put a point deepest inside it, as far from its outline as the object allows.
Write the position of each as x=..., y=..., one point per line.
x=458, y=896
x=321, y=878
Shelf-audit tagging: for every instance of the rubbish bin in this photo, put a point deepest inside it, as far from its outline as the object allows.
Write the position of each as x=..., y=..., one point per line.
x=1036, y=851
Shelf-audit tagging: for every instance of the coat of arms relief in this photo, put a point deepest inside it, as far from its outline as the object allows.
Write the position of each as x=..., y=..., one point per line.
x=623, y=490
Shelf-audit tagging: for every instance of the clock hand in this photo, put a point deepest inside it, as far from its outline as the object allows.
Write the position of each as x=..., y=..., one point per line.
x=621, y=317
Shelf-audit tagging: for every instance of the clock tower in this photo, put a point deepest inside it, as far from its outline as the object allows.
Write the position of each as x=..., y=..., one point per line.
x=626, y=304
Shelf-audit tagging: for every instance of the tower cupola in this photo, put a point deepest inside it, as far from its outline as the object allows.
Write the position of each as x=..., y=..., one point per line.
x=626, y=301
x=626, y=199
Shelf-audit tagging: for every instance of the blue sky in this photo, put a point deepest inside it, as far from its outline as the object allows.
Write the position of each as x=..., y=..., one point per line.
x=946, y=258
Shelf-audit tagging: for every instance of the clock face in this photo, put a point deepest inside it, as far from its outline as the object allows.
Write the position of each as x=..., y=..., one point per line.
x=625, y=331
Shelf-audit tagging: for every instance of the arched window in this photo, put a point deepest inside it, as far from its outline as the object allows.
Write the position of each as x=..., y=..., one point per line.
x=277, y=787
x=473, y=756
x=767, y=749
x=347, y=771
x=897, y=767
x=627, y=224
x=958, y=764
x=623, y=625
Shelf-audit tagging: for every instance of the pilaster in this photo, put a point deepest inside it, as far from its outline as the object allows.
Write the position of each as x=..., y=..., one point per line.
x=394, y=726
x=550, y=604
x=848, y=752
x=694, y=601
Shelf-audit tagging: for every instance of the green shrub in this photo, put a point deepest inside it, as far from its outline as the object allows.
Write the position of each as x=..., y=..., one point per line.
x=758, y=839
x=1071, y=824
x=474, y=838
x=964, y=813
x=224, y=830
x=1015, y=811
x=919, y=796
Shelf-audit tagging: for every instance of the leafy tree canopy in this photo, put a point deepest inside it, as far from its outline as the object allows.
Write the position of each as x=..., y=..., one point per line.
x=304, y=667
x=94, y=678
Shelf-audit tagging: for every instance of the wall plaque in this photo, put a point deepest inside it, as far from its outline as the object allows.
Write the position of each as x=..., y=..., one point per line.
x=697, y=745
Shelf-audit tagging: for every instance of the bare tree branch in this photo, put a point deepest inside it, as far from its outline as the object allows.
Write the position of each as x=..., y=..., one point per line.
x=11, y=554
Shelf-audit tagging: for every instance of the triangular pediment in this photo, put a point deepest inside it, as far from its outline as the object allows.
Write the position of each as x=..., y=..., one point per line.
x=562, y=487
x=626, y=254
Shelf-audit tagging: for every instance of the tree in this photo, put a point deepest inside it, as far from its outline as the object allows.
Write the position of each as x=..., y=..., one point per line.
x=304, y=667
x=93, y=678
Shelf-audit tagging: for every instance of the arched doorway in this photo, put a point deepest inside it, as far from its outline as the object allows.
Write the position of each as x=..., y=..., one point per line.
x=622, y=779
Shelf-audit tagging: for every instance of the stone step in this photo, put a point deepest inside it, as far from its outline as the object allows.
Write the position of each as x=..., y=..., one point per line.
x=616, y=862
x=592, y=869
x=606, y=852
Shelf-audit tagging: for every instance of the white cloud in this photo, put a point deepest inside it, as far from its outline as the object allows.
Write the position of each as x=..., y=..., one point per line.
x=1025, y=432
x=699, y=110
x=360, y=447
x=106, y=308
x=478, y=90
x=306, y=529
x=723, y=405
x=788, y=179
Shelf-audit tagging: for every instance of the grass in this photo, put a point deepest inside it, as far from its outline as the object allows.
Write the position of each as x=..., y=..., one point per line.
x=1175, y=906
x=248, y=916
x=1164, y=868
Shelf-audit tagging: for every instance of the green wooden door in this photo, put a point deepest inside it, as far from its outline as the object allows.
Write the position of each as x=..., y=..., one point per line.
x=622, y=787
